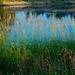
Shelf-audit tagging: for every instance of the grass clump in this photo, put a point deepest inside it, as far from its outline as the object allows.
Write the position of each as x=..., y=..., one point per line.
x=13, y=60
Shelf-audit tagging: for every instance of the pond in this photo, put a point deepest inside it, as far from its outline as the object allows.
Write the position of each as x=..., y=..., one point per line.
x=40, y=26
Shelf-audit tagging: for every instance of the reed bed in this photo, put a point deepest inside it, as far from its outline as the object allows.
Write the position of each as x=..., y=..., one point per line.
x=42, y=54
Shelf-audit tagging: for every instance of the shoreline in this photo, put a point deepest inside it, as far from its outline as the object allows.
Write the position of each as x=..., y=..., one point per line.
x=38, y=5
x=15, y=3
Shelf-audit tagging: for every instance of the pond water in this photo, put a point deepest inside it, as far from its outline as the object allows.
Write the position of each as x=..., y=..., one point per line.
x=40, y=25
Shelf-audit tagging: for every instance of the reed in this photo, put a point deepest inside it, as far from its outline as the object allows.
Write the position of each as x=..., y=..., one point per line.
x=54, y=57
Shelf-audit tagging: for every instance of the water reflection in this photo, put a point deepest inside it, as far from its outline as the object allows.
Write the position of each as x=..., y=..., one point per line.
x=6, y=17
x=42, y=27
x=6, y=22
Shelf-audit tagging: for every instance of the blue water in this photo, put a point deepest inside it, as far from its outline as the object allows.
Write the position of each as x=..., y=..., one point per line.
x=41, y=27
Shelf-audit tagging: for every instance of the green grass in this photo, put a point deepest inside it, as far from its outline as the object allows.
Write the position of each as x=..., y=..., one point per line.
x=53, y=58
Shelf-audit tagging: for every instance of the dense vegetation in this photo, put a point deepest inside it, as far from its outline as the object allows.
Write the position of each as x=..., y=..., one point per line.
x=52, y=58
x=35, y=59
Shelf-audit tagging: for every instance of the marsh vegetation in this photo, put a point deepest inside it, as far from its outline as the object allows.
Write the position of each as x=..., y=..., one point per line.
x=37, y=42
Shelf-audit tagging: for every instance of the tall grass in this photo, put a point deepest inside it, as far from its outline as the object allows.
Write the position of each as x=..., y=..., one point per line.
x=53, y=57
x=49, y=59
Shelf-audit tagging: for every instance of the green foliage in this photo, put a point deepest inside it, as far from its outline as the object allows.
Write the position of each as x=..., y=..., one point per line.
x=1, y=1
x=52, y=58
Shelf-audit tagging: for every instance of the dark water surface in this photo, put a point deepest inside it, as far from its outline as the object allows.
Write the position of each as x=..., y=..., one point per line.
x=38, y=25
